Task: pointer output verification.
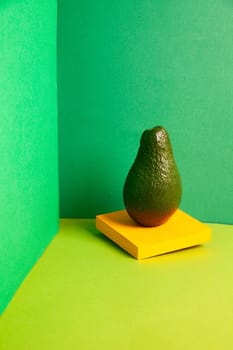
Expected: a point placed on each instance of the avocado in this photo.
(152, 189)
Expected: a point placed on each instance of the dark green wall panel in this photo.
(28, 138)
(124, 66)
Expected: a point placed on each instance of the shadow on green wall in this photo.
(88, 116)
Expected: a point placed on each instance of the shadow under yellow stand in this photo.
(179, 232)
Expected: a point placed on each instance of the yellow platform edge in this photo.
(180, 232)
(116, 237)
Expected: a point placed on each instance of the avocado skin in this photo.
(152, 189)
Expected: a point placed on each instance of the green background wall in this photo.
(124, 66)
(28, 137)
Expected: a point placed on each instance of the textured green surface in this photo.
(125, 66)
(152, 190)
(86, 293)
(28, 138)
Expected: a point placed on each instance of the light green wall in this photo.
(124, 66)
(28, 137)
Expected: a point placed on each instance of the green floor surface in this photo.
(86, 293)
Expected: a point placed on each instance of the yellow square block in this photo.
(179, 232)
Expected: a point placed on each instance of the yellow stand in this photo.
(179, 232)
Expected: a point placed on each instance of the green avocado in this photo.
(152, 189)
